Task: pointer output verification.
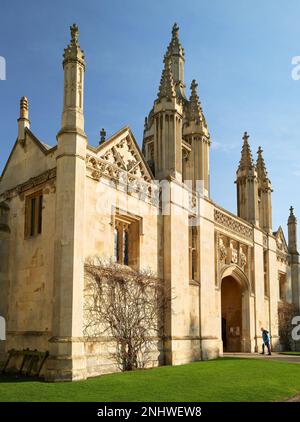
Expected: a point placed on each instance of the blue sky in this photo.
(240, 53)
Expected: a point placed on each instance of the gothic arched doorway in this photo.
(235, 308)
(231, 305)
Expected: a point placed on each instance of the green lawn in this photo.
(217, 380)
(290, 353)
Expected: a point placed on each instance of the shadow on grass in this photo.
(13, 378)
(17, 378)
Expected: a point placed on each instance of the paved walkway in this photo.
(274, 356)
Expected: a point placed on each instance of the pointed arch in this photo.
(235, 273)
(238, 274)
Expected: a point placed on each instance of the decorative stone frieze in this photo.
(234, 253)
(121, 176)
(232, 224)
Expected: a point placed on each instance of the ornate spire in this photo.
(167, 86)
(73, 50)
(246, 161)
(195, 109)
(260, 165)
(175, 46)
(176, 53)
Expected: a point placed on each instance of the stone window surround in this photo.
(282, 285)
(133, 226)
(33, 216)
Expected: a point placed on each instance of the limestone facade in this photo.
(61, 205)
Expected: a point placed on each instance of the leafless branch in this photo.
(286, 312)
(128, 305)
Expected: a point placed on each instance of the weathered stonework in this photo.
(233, 225)
(62, 205)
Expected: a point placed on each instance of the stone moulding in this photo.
(98, 168)
(283, 257)
(239, 275)
(28, 333)
(233, 225)
(66, 339)
(31, 183)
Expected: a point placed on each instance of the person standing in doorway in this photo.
(266, 341)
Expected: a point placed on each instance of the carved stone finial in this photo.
(23, 120)
(175, 30)
(246, 161)
(246, 137)
(261, 166)
(74, 33)
(291, 211)
(73, 51)
(175, 47)
(102, 136)
(194, 86)
(195, 110)
(24, 108)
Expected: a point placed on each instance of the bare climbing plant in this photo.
(126, 305)
(286, 312)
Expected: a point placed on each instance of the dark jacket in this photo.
(265, 336)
